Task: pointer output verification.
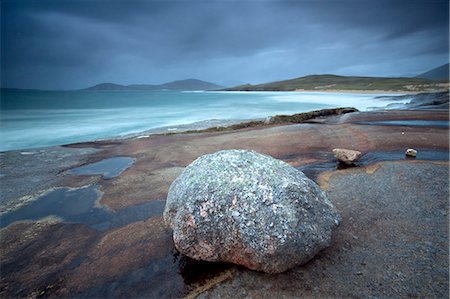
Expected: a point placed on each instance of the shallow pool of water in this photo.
(78, 205)
(313, 170)
(109, 168)
(66, 203)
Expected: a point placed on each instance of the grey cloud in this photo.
(72, 44)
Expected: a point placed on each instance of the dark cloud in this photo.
(73, 44)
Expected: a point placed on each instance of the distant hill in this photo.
(439, 73)
(188, 84)
(334, 82)
(107, 86)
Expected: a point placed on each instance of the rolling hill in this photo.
(439, 73)
(188, 84)
(334, 82)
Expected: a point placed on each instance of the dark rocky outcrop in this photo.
(278, 120)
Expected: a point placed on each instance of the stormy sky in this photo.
(66, 44)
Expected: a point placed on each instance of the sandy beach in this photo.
(392, 241)
(443, 86)
(357, 91)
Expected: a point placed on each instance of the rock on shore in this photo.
(250, 209)
(346, 156)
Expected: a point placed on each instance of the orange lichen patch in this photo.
(324, 179)
(372, 168)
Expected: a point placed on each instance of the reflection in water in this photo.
(108, 168)
(172, 276)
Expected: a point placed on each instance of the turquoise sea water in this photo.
(33, 119)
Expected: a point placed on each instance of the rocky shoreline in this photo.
(392, 241)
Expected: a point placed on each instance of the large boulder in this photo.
(246, 208)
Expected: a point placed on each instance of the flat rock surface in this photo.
(393, 240)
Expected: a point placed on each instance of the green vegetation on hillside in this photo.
(333, 82)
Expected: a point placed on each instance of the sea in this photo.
(34, 119)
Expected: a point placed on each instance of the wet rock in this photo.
(346, 156)
(411, 152)
(250, 209)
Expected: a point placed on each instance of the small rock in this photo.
(411, 152)
(249, 209)
(346, 156)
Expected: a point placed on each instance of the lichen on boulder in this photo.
(250, 209)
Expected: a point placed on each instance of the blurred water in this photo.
(31, 119)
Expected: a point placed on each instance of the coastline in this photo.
(144, 114)
(218, 125)
(126, 127)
